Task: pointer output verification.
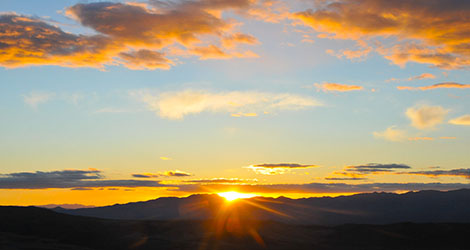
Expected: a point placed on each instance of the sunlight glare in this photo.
(232, 195)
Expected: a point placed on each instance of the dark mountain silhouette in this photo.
(40, 228)
(367, 208)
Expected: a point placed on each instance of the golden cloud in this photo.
(327, 86)
(137, 36)
(462, 120)
(431, 32)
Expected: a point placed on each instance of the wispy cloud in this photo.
(33, 99)
(376, 168)
(447, 85)
(391, 134)
(462, 172)
(422, 138)
(176, 105)
(171, 173)
(278, 168)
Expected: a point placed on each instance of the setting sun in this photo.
(232, 195)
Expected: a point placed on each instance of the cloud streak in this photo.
(461, 120)
(177, 105)
(171, 173)
(72, 179)
(444, 85)
(278, 168)
(336, 87)
(462, 172)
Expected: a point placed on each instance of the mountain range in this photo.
(366, 208)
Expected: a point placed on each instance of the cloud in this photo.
(327, 87)
(447, 85)
(426, 117)
(345, 178)
(422, 76)
(238, 38)
(421, 138)
(391, 134)
(74, 179)
(462, 172)
(322, 187)
(221, 180)
(165, 158)
(402, 31)
(244, 114)
(375, 167)
(176, 105)
(33, 99)
(462, 120)
(448, 137)
(276, 169)
(145, 59)
(137, 36)
(172, 173)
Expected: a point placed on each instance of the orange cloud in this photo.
(326, 87)
(422, 76)
(430, 32)
(448, 137)
(420, 139)
(137, 36)
(447, 85)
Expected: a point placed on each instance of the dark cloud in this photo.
(75, 179)
(171, 173)
(375, 167)
(462, 172)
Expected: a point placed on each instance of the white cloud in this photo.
(426, 117)
(391, 134)
(33, 99)
(177, 104)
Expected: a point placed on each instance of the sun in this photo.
(232, 195)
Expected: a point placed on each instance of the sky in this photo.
(120, 101)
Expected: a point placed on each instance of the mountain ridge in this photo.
(367, 208)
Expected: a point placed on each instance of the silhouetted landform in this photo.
(367, 208)
(66, 206)
(39, 228)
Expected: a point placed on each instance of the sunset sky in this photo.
(107, 102)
